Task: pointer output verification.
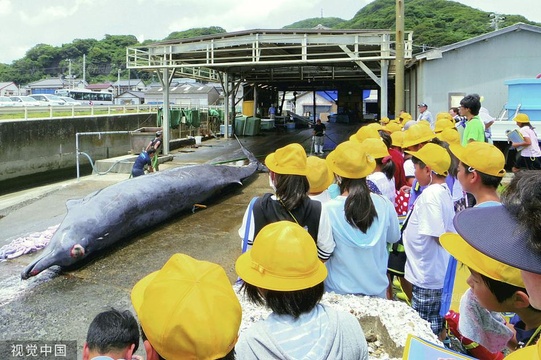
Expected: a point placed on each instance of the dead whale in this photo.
(123, 209)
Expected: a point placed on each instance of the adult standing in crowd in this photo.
(363, 223)
(529, 157)
(426, 115)
(272, 112)
(319, 137)
(475, 128)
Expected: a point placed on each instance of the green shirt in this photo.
(475, 129)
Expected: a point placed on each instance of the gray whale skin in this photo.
(104, 217)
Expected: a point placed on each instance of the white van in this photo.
(48, 100)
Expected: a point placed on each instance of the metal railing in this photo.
(49, 112)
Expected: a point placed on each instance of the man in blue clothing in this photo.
(144, 158)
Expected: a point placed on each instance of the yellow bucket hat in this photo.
(392, 127)
(319, 175)
(365, 132)
(450, 136)
(397, 138)
(376, 148)
(435, 157)
(188, 309)
(283, 258)
(443, 124)
(444, 115)
(479, 262)
(351, 160)
(481, 156)
(288, 160)
(405, 117)
(522, 118)
(417, 134)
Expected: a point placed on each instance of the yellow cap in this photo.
(384, 120)
(376, 148)
(365, 132)
(283, 258)
(522, 118)
(479, 262)
(288, 160)
(532, 352)
(392, 127)
(319, 175)
(444, 115)
(377, 126)
(405, 117)
(450, 136)
(398, 138)
(351, 160)
(417, 134)
(442, 124)
(481, 156)
(435, 157)
(188, 309)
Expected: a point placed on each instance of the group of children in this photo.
(328, 225)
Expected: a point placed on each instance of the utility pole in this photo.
(84, 68)
(399, 60)
(118, 83)
(69, 75)
(495, 20)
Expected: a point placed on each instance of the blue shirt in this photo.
(358, 264)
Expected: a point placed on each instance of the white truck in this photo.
(524, 95)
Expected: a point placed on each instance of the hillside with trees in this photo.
(434, 23)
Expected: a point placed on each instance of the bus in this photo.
(87, 97)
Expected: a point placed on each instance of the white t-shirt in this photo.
(532, 150)
(409, 168)
(384, 185)
(432, 215)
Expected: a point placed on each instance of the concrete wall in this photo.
(33, 146)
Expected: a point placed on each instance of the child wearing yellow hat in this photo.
(530, 155)
(494, 287)
(282, 271)
(187, 310)
(363, 223)
(432, 215)
(320, 178)
(288, 178)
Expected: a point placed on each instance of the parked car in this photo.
(5, 101)
(48, 99)
(24, 101)
(70, 102)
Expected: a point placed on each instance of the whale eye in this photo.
(77, 251)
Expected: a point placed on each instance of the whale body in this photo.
(126, 208)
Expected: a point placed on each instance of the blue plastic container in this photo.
(525, 93)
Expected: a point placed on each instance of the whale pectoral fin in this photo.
(198, 206)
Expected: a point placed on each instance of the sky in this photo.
(26, 23)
